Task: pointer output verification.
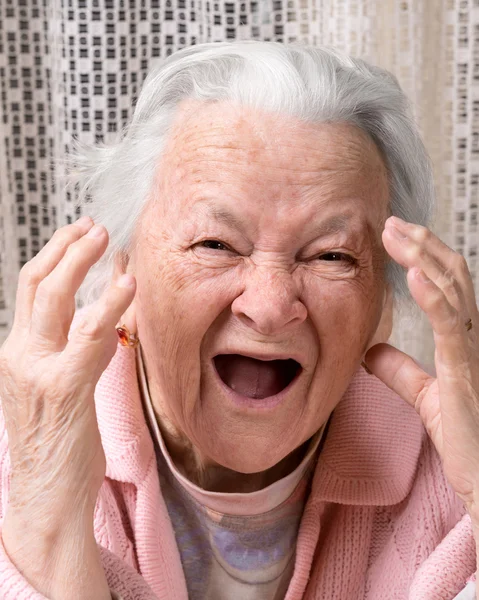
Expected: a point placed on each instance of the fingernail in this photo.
(366, 368)
(95, 231)
(396, 233)
(396, 221)
(422, 276)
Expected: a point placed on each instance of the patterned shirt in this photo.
(233, 546)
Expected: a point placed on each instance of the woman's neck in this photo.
(215, 477)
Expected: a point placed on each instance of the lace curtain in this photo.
(74, 68)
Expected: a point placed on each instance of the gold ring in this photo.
(468, 324)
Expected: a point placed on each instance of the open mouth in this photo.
(256, 378)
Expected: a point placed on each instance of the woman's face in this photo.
(260, 275)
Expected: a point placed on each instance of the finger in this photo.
(54, 303)
(93, 342)
(410, 254)
(41, 265)
(415, 246)
(450, 335)
(399, 372)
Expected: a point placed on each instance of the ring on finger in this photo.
(468, 324)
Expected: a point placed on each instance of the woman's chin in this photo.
(245, 454)
(245, 439)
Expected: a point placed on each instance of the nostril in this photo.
(246, 320)
(299, 312)
(269, 310)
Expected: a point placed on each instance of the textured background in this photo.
(74, 68)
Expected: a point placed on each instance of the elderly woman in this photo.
(252, 227)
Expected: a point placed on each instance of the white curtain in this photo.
(74, 68)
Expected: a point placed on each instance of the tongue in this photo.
(250, 377)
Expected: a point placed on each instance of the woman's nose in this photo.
(270, 303)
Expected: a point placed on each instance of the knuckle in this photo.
(460, 264)
(415, 253)
(452, 288)
(29, 274)
(448, 284)
(435, 302)
(25, 271)
(48, 297)
(454, 320)
(444, 312)
(80, 250)
(62, 238)
(422, 235)
(71, 252)
(76, 250)
(44, 291)
(90, 328)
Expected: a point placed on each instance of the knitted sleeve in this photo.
(117, 555)
(447, 548)
(124, 582)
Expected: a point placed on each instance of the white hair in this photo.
(313, 84)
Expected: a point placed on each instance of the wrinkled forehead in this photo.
(202, 126)
(252, 151)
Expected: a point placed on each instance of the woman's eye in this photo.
(336, 257)
(213, 245)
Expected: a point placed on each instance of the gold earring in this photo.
(125, 338)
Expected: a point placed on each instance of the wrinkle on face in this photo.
(278, 193)
(235, 142)
(295, 178)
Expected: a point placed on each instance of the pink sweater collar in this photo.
(369, 456)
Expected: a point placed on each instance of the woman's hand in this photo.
(46, 388)
(448, 405)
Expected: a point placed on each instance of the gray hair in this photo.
(314, 84)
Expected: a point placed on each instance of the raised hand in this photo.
(448, 404)
(46, 389)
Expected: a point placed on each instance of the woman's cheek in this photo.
(210, 288)
(187, 298)
(182, 271)
(346, 309)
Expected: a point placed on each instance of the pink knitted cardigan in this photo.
(381, 521)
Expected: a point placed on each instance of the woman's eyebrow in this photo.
(349, 223)
(226, 217)
(223, 215)
(334, 224)
(331, 225)
(344, 223)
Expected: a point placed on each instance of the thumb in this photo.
(398, 371)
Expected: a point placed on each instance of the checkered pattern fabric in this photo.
(73, 68)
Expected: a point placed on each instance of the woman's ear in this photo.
(385, 327)
(121, 265)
